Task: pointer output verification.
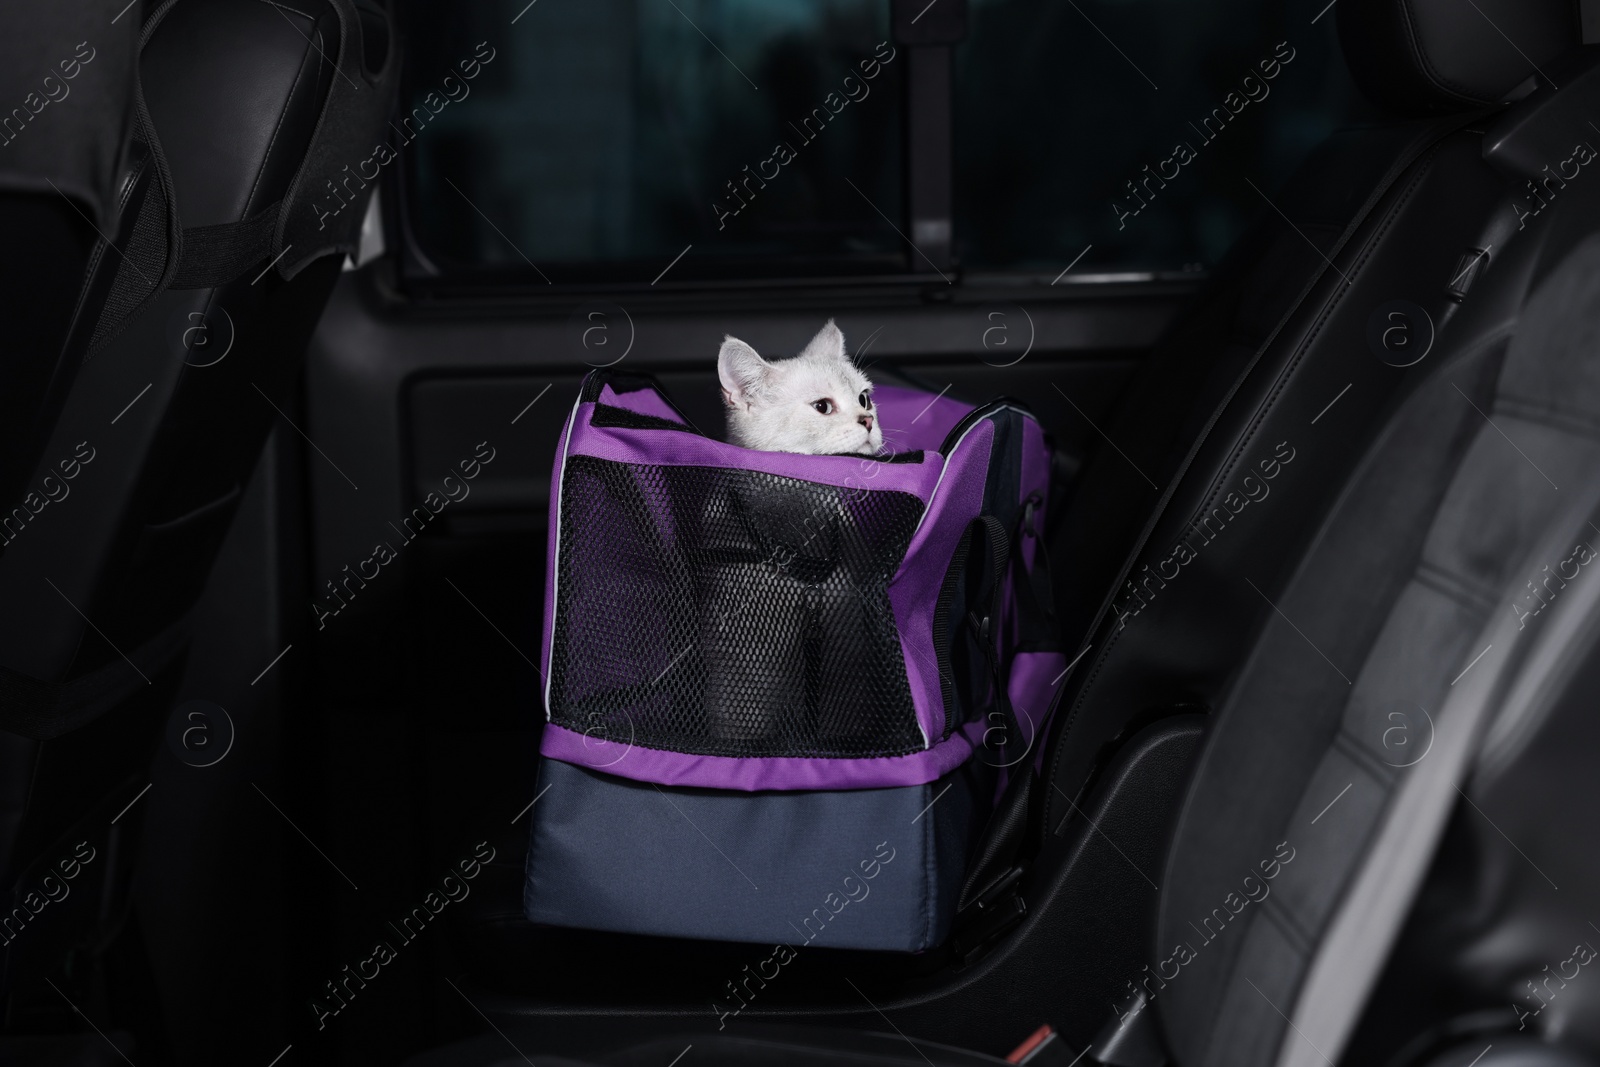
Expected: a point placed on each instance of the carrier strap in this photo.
(987, 628)
(997, 865)
(1034, 589)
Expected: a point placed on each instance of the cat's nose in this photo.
(865, 420)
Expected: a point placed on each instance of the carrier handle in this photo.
(1035, 610)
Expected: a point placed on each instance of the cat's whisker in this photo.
(868, 343)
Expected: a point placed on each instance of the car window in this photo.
(602, 139)
(1140, 135)
(616, 140)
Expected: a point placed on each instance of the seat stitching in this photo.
(1291, 933)
(1269, 404)
(1355, 750)
(1429, 71)
(1461, 588)
(1286, 922)
(1543, 413)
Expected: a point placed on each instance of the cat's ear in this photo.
(827, 345)
(742, 371)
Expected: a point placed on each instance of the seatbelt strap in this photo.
(40, 710)
(148, 261)
(216, 255)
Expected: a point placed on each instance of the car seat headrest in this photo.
(313, 223)
(59, 51)
(309, 222)
(1419, 57)
(1549, 136)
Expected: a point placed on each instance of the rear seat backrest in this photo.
(1263, 279)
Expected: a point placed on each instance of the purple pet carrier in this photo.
(784, 693)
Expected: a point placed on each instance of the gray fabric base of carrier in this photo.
(859, 869)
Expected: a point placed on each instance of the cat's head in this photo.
(816, 402)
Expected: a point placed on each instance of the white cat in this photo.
(816, 403)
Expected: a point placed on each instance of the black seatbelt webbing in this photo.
(40, 710)
(216, 255)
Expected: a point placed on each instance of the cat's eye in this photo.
(865, 400)
(824, 407)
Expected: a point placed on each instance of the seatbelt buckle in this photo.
(1130, 1038)
(990, 917)
(1043, 1048)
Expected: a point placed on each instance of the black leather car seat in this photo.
(60, 164)
(1414, 596)
(1220, 561)
(1259, 400)
(59, 170)
(186, 348)
(1176, 617)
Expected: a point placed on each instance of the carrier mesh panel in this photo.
(730, 613)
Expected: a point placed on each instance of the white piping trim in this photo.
(953, 449)
(555, 554)
(927, 742)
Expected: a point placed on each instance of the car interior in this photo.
(1289, 313)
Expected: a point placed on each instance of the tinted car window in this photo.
(601, 139)
(1136, 127)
